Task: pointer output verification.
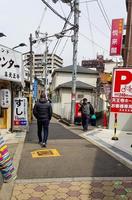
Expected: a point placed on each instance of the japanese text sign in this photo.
(10, 64)
(116, 37)
(20, 111)
(5, 98)
(122, 90)
(35, 88)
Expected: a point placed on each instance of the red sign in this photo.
(116, 37)
(122, 90)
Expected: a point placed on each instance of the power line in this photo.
(42, 17)
(95, 26)
(90, 27)
(88, 1)
(53, 10)
(105, 17)
(63, 29)
(62, 8)
(65, 44)
(105, 12)
(93, 42)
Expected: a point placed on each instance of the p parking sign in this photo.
(121, 100)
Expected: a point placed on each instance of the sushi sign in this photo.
(122, 90)
(20, 112)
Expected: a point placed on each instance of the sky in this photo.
(20, 18)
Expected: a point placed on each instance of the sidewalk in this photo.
(15, 143)
(120, 149)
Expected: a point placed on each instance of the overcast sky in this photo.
(19, 18)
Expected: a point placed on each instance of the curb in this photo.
(115, 155)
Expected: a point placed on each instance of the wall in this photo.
(62, 107)
(60, 78)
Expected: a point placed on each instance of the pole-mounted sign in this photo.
(122, 90)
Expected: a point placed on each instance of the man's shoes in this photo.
(43, 145)
(40, 143)
(85, 130)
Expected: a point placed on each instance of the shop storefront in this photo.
(11, 80)
(5, 113)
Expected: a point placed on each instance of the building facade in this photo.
(62, 87)
(40, 67)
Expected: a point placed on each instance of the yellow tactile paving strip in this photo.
(74, 190)
(45, 153)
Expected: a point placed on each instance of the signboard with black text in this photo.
(11, 65)
(20, 111)
(5, 98)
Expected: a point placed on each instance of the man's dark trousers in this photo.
(85, 120)
(43, 136)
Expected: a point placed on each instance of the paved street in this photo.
(82, 172)
(79, 158)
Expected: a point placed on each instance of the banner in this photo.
(116, 37)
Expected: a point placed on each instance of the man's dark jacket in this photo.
(42, 110)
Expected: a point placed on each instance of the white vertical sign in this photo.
(20, 112)
(5, 98)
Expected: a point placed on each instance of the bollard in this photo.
(105, 120)
(115, 127)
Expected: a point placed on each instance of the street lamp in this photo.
(2, 35)
(20, 45)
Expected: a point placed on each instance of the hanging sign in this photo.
(116, 37)
(20, 112)
(122, 90)
(5, 98)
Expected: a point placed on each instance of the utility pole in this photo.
(31, 84)
(128, 42)
(46, 71)
(75, 48)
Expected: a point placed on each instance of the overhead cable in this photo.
(63, 31)
(43, 15)
(65, 44)
(53, 10)
(105, 12)
(105, 18)
(90, 27)
(93, 42)
(96, 27)
(87, 1)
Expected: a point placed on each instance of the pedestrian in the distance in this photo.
(85, 113)
(43, 113)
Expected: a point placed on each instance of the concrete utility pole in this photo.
(128, 42)
(75, 48)
(31, 84)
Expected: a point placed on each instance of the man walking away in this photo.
(43, 113)
(85, 111)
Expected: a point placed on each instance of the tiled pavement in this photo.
(74, 190)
